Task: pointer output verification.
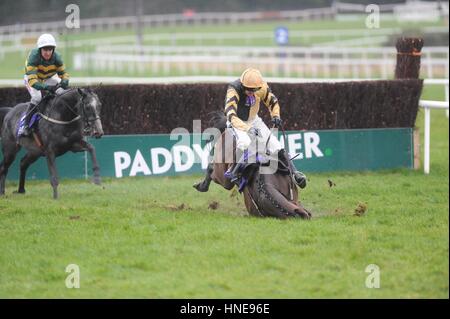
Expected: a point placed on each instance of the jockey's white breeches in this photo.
(243, 140)
(36, 95)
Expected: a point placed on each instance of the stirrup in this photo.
(26, 131)
(234, 179)
(228, 174)
(233, 172)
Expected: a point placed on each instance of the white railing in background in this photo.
(126, 22)
(427, 105)
(338, 37)
(343, 7)
(292, 61)
(225, 50)
(17, 32)
(117, 23)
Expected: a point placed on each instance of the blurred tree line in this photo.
(25, 11)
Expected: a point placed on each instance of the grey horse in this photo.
(64, 120)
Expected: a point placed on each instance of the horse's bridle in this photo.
(87, 121)
(286, 166)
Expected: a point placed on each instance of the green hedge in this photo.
(157, 108)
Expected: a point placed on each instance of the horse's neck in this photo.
(63, 107)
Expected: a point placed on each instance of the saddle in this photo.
(34, 121)
(248, 170)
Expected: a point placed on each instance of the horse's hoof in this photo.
(20, 191)
(303, 214)
(200, 187)
(300, 179)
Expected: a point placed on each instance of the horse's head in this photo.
(90, 112)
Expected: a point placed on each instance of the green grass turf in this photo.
(158, 238)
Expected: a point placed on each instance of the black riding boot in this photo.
(29, 114)
(299, 177)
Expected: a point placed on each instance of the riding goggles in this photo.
(251, 89)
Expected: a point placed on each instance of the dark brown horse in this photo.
(265, 195)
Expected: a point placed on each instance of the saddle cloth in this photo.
(33, 122)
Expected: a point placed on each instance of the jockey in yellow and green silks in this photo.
(44, 69)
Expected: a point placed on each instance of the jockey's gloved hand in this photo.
(64, 84)
(276, 121)
(51, 88)
(59, 91)
(254, 132)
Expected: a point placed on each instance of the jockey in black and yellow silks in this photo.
(241, 109)
(44, 69)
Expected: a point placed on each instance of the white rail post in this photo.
(426, 105)
(446, 98)
(426, 161)
(446, 85)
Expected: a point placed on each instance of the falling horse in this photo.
(64, 120)
(265, 195)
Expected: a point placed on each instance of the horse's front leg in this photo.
(203, 186)
(9, 154)
(85, 146)
(51, 163)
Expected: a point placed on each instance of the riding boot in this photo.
(233, 172)
(29, 114)
(299, 177)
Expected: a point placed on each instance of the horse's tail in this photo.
(3, 112)
(218, 120)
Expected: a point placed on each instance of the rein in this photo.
(291, 184)
(52, 120)
(77, 116)
(254, 203)
(45, 117)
